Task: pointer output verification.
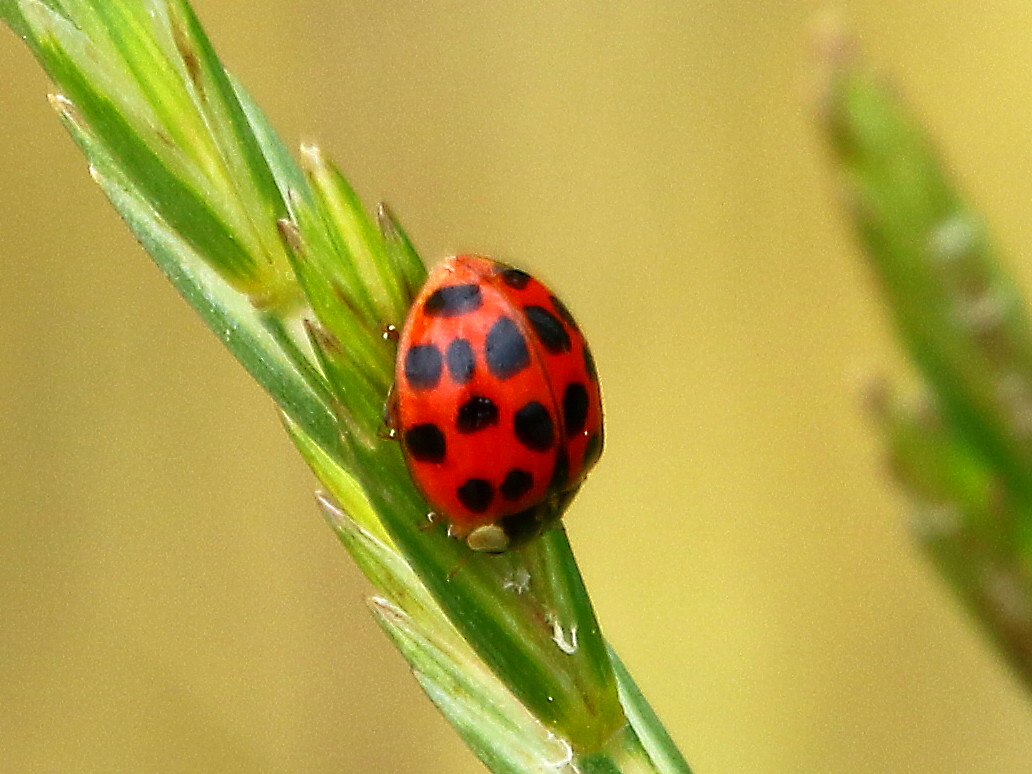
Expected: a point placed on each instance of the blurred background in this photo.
(170, 598)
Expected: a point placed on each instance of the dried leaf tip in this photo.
(64, 107)
(291, 235)
(312, 157)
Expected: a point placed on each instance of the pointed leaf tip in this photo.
(331, 510)
(291, 235)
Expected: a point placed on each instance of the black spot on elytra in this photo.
(426, 443)
(453, 300)
(563, 312)
(476, 494)
(589, 364)
(516, 484)
(515, 278)
(592, 451)
(460, 360)
(534, 427)
(560, 472)
(423, 366)
(575, 408)
(475, 414)
(549, 329)
(506, 349)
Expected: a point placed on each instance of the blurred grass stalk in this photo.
(287, 268)
(962, 445)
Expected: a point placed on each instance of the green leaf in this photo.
(179, 203)
(11, 15)
(401, 253)
(505, 609)
(246, 169)
(362, 260)
(664, 754)
(286, 173)
(496, 727)
(964, 449)
(225, 310)
(123, 31)
(959, 314)
(973, 527)
(508, 646)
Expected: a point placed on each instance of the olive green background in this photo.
(170, 599)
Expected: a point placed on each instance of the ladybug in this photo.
(496, 402)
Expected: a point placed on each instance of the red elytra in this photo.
(496, 402)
